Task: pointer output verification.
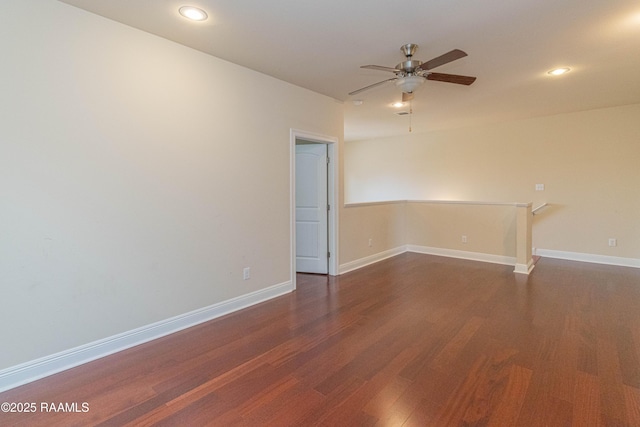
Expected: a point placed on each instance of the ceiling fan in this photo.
(410, 74)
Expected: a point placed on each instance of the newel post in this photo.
(524, 240)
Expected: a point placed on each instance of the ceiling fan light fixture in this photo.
(409, 83)
(397, 104)
(193, 13)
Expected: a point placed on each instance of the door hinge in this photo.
(328, 207)
(328, 159)
(328, 254)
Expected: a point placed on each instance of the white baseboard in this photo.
(453, 253)
(49, 365)
(596, 259)
(371, 259)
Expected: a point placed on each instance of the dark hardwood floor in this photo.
(414, 340)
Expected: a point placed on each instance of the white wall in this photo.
(137, 177)
(587, 160)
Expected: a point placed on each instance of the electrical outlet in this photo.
(464, 238)
(539, 187)
(246, 273)
(370, 242)
(613, 242)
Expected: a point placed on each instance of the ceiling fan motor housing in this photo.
(409, 66)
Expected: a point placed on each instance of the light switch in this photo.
(539, 187)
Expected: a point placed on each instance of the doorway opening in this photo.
(314, 203)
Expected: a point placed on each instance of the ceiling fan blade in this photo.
(406, 96)
(380, 67)
(355, 92)
(443, 59)
(451, 78)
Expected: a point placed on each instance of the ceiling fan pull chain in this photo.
(410, 114)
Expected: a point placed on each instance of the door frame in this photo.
(332, 195)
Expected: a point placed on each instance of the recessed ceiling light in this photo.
(559, 71)
(358, 102)
(193, 13)
(397, 104)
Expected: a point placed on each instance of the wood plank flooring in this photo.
(415, 340)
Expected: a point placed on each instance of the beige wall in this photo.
(489, 229)
(137, 178)
(384, 224)
(429, 226)
(588, 162)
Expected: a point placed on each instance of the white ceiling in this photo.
(320, 45)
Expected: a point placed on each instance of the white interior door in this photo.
(312, 253)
